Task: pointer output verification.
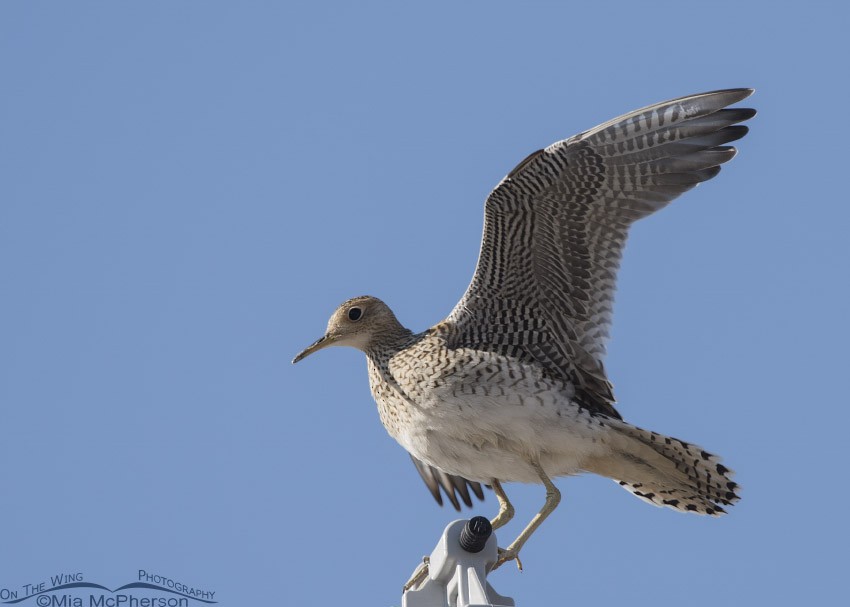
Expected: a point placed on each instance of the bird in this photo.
(511, 386)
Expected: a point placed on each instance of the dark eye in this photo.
(354, 314)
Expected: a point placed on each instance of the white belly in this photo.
(492, 421)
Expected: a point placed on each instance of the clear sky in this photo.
(189, 189)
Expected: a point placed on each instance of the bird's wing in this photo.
(555, 229)
(452, 485)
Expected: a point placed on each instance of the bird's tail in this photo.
(666, 471)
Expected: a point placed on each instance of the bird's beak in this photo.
(323, 342)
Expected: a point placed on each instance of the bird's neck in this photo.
(389, 342)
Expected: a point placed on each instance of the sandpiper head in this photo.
(357, 322)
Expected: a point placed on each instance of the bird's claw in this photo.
(419, 574)
(506, 555)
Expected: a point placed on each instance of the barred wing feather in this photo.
(555, 229)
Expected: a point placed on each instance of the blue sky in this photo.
(189, 190)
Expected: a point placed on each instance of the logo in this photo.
(74, 590)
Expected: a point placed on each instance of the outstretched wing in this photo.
(555, 229)
(436, 479)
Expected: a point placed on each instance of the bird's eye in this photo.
(354, 314)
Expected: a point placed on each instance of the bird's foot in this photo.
(418, 576)
(506, 555)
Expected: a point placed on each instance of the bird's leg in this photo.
(553, 498)
(506, 513)
(506, 509)
(419, 574)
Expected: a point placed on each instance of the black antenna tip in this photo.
(475, 534)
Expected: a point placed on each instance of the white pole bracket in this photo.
(457, 569)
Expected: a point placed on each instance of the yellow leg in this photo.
(553, 498)
(418, 576)
(506, 513)
(506, 509)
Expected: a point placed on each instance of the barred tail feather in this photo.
(666, 471)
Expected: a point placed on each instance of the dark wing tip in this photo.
(731, 96)
(448, 486)
(427, 474)
(477, 490)
(453, 486)
(735, 132)
(744, 113)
